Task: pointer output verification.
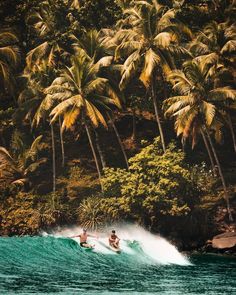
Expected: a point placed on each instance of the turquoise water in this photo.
(50, 265)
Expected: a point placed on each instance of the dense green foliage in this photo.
(71, 71)
(156, 184)
(27, 213)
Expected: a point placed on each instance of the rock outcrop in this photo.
(224, 241)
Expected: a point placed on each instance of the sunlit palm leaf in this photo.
(70, 117)
(152, 60)
(129, 68)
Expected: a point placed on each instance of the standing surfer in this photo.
(83, 239)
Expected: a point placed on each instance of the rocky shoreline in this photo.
(223, 244)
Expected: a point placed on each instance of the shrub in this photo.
(28, 214)
(157, 184)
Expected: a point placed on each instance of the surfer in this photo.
(83, 239)
(114, 240)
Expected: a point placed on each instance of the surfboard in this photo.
(117, 250)
(87, 248)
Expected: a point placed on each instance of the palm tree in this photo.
(50, 22)
(80, 92)
(195, 110)
(216, 45)
(34, 106)
(9, 172)
(62, 143)
(95, 44)
(97, 50)
(111, 119)
(9, 60)
(100, 49)
(16, 167)
(149, 37)
(90, 213)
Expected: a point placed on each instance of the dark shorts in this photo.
(83, 244)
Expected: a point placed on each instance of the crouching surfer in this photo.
(83, 239)
(114, 240)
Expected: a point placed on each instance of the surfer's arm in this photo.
(78, 236)
(93, 236)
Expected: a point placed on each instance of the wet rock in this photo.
(224, 241)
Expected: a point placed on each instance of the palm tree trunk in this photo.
(93, 150)
(99, 149)
(209, 152)
(119, 140)
(62, 143)
(31, 125)
(158, 117)
(2, 139)
(232, 132)
(53, 159)
(221, 175)
(134, 133)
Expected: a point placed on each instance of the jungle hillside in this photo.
(118, 110)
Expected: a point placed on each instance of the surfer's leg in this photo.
(85, 245)
(114, 245)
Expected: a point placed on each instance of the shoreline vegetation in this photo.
(119, 110)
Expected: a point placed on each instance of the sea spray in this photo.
(135, 240)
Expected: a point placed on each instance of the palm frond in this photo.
(152, 60)
(4, 152)
(20, 182)
(11, 54)
(44, 108)
(163, 39)
(105, 61)
(209, 111)
(35, 146)
(7, 38)
(180, 82)
(114, 96)
(97, 84)
(5, 73)
(70, 117)
(95, 115)
(74, 101)
(176, 103)
(229, 47)
(223, 93)
(208, 59)
(129, 68)
(36, 54)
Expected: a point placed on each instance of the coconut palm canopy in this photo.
(216, 44)
(49, 22)
(9, 59)
(197, 100)
(81, 92)
(149, 34)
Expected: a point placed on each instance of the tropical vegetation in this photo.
(109, 109)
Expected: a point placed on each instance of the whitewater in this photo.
(54, 263)
(134, 241)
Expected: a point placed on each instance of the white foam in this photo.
(158, 249)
